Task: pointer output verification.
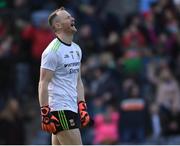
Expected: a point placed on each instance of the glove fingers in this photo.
(52, 127)
(49, 128)
(49, 121)
(83, 116)
(85, 120)
(82, 106)
(45, 128)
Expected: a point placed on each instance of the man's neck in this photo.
(65, 38)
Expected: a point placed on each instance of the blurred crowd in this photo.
(130, 69)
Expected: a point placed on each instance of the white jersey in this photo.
(64, 60)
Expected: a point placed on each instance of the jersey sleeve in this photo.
(49, 61)
(79, 50)
(80, 53)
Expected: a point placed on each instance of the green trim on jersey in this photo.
(56, 46)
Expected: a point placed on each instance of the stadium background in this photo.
(130, 69)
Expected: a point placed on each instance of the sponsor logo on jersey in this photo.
(66, 56)
(71, 52)
(78, 54)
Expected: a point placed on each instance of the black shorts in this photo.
(67, 119)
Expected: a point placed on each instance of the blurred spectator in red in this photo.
(150, 29)
(40, 37)
(106, 127)
(3, 28)
(131, 36)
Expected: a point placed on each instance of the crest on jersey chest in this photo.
(72, 55)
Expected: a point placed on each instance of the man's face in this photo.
(66, 22)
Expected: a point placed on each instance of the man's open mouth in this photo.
(73, 24)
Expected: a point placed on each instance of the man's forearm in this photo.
(80, 91)
(43, 93)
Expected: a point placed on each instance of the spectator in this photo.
(106, 127)
(133, 110)
(168, 99)
(12, 124)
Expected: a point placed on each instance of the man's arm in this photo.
(85, 119)
(80, 88)
(49, 122)
(45, 77)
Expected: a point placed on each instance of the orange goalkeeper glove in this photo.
(84, 116)
(49, 122)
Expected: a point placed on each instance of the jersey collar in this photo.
(63, 42)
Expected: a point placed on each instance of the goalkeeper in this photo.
(61, 91)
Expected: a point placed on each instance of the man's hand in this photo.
(85, 118)
(49, 122)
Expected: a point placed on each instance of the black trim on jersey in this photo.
(63, 42)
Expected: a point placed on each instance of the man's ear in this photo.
(58, 25)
